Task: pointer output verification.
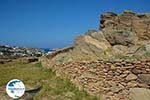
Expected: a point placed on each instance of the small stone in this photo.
(143, 71)
(104, 70)
(116, 89)
(143, 85)
(110, 73)
(126, 72)
(112, 83)
(113, 67)
(119, 71)
(136, 71)
(132, 84)
(105, 97)
(148, 70)
(106, 89)
(123, 83)
(131, 77)
(121, 86)
(123, 75)
(110, 93)
(116, 74)
(126, 92)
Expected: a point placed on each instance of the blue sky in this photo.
(55, 23)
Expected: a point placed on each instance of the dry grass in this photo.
(53, 88)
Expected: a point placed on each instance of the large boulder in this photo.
(91, 46)
(120, 37)
(139, 94)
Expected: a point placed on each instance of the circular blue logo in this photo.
(15, 88)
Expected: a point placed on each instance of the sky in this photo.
(56, 23)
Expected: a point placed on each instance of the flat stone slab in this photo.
(139, 94)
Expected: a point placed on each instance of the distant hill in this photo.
(13, 52)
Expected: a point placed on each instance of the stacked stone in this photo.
(112, 79)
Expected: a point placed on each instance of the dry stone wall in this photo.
(109, 80)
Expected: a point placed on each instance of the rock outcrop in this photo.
(129, 26)
(121, 36)
(112, 63)
(86, 47)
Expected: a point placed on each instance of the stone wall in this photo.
(109, 80)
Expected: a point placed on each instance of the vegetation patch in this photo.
(53, 87)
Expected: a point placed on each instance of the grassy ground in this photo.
(53, 88)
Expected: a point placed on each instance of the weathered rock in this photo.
(132, 84)
(121, 36)
(119, 49)
(116, 88)
(147, 47)
(143, 85)
(136, 71)
(91, 46)
(123, 75)
(126, 72)
(133, 49)
(112, 83)
(145, 78)
(139, 94)
(131, 77)
(138, 24)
